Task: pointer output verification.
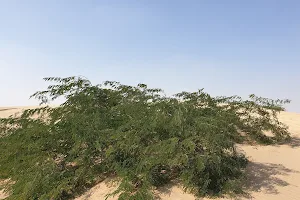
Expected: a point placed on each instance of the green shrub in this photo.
(138, 134)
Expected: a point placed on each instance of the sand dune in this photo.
(8, 111)
(273, 173)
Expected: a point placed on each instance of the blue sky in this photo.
(227, 47)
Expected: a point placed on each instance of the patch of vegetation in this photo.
(138, 134)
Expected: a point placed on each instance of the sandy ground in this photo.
(273, 173)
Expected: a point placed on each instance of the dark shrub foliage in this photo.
(138, 134)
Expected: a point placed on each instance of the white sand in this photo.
(274, 171)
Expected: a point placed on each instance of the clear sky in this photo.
(227, 47)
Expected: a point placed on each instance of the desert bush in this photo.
(137, 134)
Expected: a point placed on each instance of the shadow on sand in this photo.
(261, 177)
(264, 177)
(294, 142)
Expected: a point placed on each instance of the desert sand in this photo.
(273, 172)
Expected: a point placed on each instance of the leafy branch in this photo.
(138, 134)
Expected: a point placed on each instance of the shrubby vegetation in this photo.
(137, 134)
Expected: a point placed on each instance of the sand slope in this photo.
(273, 173)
